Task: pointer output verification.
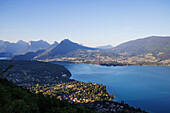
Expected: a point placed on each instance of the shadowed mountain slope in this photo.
(63, 48)
(27, 56)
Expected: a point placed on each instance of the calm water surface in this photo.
(4, 58)
(147, 87)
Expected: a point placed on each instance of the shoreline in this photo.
(105, 64)
(98, 105)
(112, 63)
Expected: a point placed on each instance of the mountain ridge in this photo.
(105, 47)
(145, 45)
(22, 47)
(150, 49)
(64, 47)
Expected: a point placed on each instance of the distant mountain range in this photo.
(27, 56)
(66, 46)
(21, 47)
(105, 47)
(55, 50)
(152, 49)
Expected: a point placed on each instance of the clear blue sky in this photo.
(89, 22)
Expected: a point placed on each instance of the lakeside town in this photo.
(108, 58)
(75, 91)
(90, 95)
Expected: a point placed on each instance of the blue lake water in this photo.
(147, 87)
(4, 58)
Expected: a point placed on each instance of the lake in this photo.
(147, 87)
(4, 58)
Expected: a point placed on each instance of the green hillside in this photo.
(15, 99)
(27, 73)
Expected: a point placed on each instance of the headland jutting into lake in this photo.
(90, 95)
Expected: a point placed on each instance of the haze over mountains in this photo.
(66, 46)
(55, 50)
(21, 47)
(157, 46)
(105, 47)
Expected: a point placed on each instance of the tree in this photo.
(112, 96)
(5, 70)
(18, 106)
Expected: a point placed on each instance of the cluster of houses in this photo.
(90, 95)
(112, 107)
(133, 60)
(71, 99)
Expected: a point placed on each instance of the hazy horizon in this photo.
(88, 22)
(76, 42)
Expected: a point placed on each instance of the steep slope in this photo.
(52, 46)
(27, 56)
(63, 48)
(153, 44)
(15, 99)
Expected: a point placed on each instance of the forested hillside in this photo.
(27, 73)
(15, 99)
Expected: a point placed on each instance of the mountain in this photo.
(31, 55)
(35, 45)
(22, 47)
(66, 46)
(150, 49)
(11, 48)
(52, 46)
(5, 54)
(153, 50)
(152, 44)
(105, 47)
(27, 56)
(21, 42)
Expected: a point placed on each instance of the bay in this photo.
(147, 87)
